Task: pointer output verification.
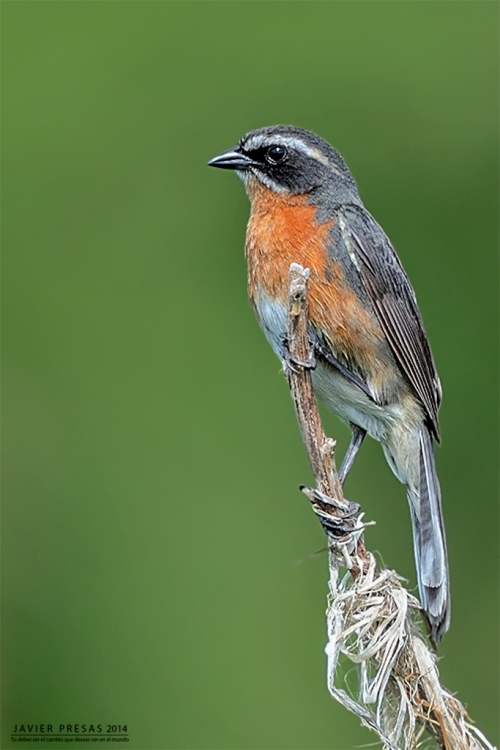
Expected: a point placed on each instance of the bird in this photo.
(373, 363)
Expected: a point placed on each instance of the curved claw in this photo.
(292, 363)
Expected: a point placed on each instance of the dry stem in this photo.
(372, 619)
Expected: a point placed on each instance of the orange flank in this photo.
(282, 230)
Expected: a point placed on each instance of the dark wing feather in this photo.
(395, 305)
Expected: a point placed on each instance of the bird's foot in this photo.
(293, 363)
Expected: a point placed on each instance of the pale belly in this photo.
(339, 394)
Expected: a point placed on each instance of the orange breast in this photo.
(283, 229)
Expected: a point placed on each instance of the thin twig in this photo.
(371, 618)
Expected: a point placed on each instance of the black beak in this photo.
(231, 159)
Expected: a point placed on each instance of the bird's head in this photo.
(289, 160)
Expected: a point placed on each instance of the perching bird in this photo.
(374, 366)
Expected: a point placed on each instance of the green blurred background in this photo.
(151, 518)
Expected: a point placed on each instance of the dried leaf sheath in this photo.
(371, 618)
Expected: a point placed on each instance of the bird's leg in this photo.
(358, 435)
(292, 362)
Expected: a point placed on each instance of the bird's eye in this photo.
(276, 154)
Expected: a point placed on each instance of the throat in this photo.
(282, 229)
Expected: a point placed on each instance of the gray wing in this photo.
(394, 304)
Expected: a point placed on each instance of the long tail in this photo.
(429, 541)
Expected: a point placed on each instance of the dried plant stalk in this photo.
(371, 618)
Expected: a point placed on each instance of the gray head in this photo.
(290, 160)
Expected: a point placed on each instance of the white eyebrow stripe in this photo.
(257, 141)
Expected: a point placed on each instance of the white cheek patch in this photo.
(245, 175)
(268, 182)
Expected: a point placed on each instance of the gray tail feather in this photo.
(429, 540)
